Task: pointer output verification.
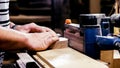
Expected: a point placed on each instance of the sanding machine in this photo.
(97, 32)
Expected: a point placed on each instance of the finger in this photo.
(53, 33)
(50, 34)
(35, 28)
(47, 29)
(47, 41)
(51, 40)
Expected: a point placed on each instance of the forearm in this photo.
(29, 36)
(10, 39)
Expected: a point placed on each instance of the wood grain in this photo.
(61, 43)
(68, 58)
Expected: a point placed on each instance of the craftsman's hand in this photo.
(32, 28)
(40, 41)
(37, 37)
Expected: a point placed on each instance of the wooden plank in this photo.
(41, 62)
(116, 63)
(116, 59)
(112, 57)
(107, 56)
(68, 58)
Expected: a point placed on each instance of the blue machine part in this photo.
(107, 42)
(90, 46)
(105, 26)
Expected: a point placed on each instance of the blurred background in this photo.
(52, 13)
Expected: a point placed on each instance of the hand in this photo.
(37, 37)
(32, 28)
(40, 41)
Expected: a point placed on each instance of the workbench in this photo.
(66, 58)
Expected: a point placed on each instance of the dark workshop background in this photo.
(52, 13)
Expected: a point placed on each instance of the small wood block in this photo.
(61, 43)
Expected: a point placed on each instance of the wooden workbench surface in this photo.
(67, 58)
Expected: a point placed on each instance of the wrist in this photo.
(13, 26)
(24, 41)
